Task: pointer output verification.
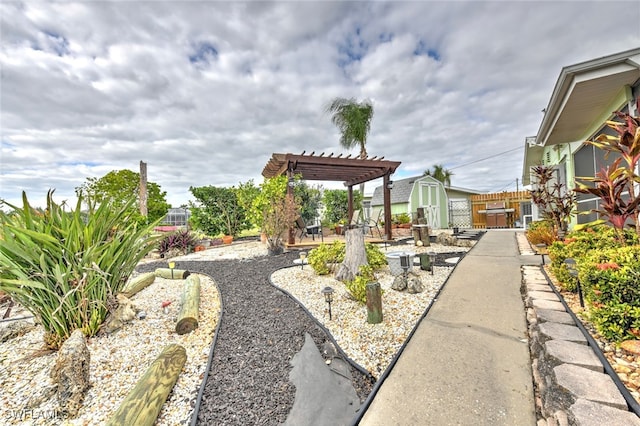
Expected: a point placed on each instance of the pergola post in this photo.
(292, 232)
(386, 191)
(349, 205)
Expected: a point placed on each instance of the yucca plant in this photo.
(66, 267)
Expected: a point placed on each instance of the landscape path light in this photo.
(572, 268)
(542, 247)
(405, 260)
(303, 256)
(172, 265)
(432, 260)
(328, 297)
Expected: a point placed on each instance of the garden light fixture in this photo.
(432, 260)
(390, 184)
(172, 265)
(328, 297)
(541, 247)
(405, 260)
(572, 269)
(303, 256)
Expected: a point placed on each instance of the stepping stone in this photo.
(324, 395)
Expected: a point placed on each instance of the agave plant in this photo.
(66, 267)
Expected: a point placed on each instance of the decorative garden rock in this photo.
(124, 313)
(415, 285)
(71, 373)
(399, 283)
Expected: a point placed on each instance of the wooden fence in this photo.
(511, 200)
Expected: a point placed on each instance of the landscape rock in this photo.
(399, 283)
(632, 346)
(124, 313)
(71, 373)
(415, 285)
(14, 329)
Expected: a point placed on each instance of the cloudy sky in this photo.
(205, 91)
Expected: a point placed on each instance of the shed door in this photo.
(430, 202)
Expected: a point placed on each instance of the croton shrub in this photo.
(609, 274)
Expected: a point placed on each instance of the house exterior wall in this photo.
(575, 158)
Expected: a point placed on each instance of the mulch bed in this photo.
(260, 332)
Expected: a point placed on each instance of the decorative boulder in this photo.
(124, 313)
(415, 285)
(71, 373)
(399, 283)
(446, 239)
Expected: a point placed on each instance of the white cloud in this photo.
(204, 92)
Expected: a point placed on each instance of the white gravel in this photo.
(119, 360)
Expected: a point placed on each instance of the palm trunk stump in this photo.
(188, 316)
(374, 303)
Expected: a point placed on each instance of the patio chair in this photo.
(306, 230)
(370, 224)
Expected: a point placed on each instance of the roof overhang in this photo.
(532, 157)
(583, 92)
(350, 171)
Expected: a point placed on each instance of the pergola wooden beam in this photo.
(350, 171)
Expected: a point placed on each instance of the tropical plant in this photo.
(357, 287)
(353, 119)
(541, 232)
(554, 201)
(616, 184)
(325, 257)
(182, 240)
(217, 211)
(121, 186)
(67, 267)
(440, 173)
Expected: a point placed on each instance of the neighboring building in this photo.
(443, 206)
(584, 98)
(177, 217)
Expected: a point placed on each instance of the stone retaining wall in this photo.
(571, 385)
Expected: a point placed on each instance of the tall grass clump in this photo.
(67, 267)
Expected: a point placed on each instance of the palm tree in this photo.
(440, 173)
(353, 119)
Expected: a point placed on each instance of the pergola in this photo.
(350, 171)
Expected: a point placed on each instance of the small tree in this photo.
(337, 205)
(119, 187)
(217, 211)
(552, 198)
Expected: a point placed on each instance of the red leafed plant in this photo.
(616, 184)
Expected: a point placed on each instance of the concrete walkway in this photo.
(468, 362)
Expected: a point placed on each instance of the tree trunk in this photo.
(188, 316)
(138, 283)
(143, 403)
(354, 257)
(177, 274)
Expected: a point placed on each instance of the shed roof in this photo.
(402, 188)
(351, 171)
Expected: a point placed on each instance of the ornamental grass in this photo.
(66, 267)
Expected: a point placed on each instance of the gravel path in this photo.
(260, 331)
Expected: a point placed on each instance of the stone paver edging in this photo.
(569, 377)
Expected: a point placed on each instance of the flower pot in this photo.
(338, 229)
(227, 239)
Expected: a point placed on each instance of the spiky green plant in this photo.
(66, 267)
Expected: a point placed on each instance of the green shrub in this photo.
(616, 322)
(357, 287)
(325, 256)
(66, 267)
(578, 244)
